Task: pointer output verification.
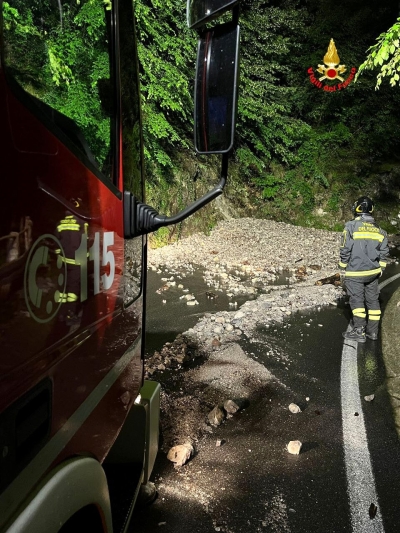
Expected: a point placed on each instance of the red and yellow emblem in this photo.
(331, 68)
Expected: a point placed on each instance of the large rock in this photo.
(391, 353)
(231, 407)
(294, 408)
(294, 447)
(216, 416)
(180, 454)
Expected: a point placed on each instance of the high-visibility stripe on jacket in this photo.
(364, 248)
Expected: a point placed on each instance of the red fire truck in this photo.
(78, 425)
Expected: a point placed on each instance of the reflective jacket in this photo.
(364, 248)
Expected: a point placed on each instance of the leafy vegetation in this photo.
(167, 58)
(385, 55)
(60, 59)
(299, 150)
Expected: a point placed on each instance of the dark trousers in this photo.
(364, 300)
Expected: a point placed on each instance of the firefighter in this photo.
(69, 231)
(363, 256)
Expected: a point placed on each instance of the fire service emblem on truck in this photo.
(331, 71)
(45, 278)
(53, 278)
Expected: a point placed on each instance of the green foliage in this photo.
(334, 140)
(386, 55)
(61, 60)
(297, 147)
(167, 54)
(267, 127)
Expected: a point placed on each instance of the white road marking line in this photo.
(360, 479)
(389, 280)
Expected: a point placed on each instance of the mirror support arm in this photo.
(140, 218)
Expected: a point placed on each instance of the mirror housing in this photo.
(216, 87)
(199, 12)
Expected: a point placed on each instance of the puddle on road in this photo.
(168, 314)
(166, 320)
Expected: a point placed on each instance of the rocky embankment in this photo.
(261, 249)
(243, 256)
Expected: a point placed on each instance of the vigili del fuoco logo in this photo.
(331, 71)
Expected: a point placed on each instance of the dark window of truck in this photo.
(59, 53)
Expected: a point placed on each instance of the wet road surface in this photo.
(251, 483)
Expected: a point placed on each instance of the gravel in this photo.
(205, 366)
(262, 249)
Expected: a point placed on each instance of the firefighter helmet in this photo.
(363, 205)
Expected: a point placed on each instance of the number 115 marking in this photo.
(83, 255)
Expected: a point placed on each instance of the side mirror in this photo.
(217, 74)
(216, 85)
(199, 12)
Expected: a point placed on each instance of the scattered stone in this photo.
(219, 442)
(147, 494)
(294, 447)
(307, 399)
(231, 407)
(162, 523)
(216, 416)
(180, 454)
(356, 414)
(372, 510)
(215, 343)
(294, 408)
(369, 398)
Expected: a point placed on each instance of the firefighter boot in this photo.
(372, 331)
(373, 324)
(356, 334)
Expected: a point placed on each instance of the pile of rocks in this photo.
(239, 256)
(174, 355)
(267, 310)
(256, 248)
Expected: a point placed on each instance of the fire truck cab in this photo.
(78, 425)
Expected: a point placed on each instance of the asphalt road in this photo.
(350, 457)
